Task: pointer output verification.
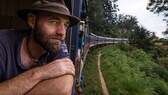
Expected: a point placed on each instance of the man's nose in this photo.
(61, 29)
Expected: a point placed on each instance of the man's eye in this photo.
(66, 25)
(53, 21)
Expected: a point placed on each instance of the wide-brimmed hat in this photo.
(58, 7)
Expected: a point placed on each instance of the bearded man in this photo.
(35, 61)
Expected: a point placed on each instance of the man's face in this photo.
(50, 30)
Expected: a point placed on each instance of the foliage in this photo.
(159, 6)
(92, 85)
(163, 61)
(126, 24)
(141, 38)
(109, 13)
(124, 47)
(104, 20)
(130, 71)
(156, 52)
(102, 15)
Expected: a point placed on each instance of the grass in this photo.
(92, 85)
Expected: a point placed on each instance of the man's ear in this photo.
(31, 19)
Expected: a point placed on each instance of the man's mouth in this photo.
(55, 39)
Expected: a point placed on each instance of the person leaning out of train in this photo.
(35, 61)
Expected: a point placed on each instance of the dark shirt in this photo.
(10, 59)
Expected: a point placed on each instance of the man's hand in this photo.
(58, 68)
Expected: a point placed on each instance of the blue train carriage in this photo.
(79, 42)
(100, 40)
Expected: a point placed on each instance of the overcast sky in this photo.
(149, 20)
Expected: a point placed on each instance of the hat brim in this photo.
(22, 13)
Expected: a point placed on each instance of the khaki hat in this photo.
(57, 7)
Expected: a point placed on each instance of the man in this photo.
(35, 62)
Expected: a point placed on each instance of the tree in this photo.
(109, 13)
(102, 15)
(159, 6)
(141, 38)
(110, 9)
(95, 16)
(127, 22)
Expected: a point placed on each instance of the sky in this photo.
(149, 20)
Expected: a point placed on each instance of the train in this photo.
(78, 38)
(98, 40)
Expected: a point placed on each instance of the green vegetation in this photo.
(127, 71)
(92, 85)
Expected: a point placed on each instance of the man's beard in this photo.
(44, 40)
